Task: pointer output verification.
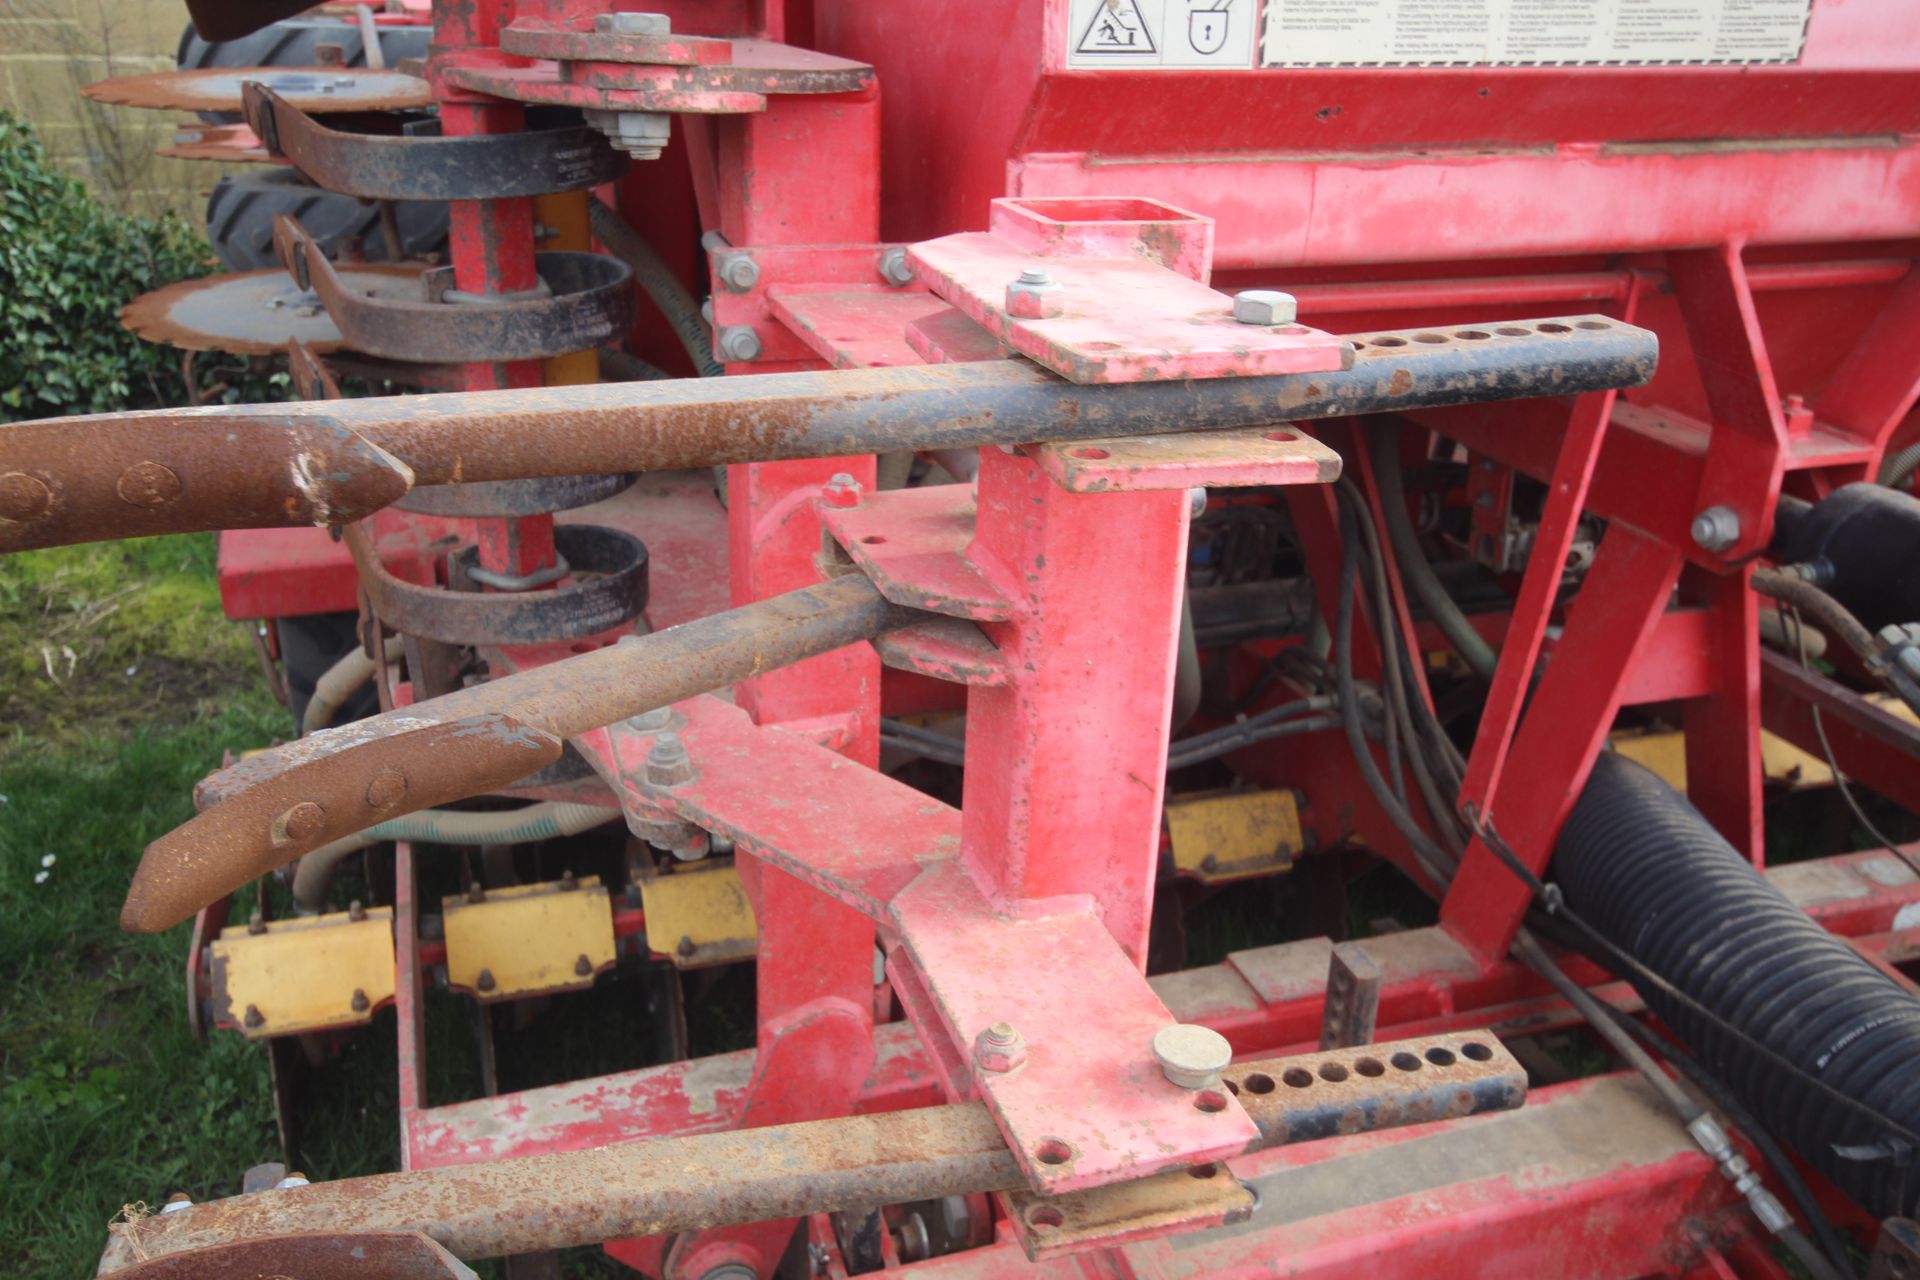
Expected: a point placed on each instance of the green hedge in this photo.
(67, 266)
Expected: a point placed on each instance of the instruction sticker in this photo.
(1161, 33)
(1531, 33)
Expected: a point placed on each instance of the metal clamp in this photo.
(520, 581)
(430, 167)
(591, 303)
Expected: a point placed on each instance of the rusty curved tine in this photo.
(260, 466)
(665, 1185)
(267, 810)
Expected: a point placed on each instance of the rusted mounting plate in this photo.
(759, 69)
(309, 88)
(1207, 1195)
(946, 649)
(529, 940)
(429, 166)
(256, 313)
(589, 301)
(1279, 454)
(913, 544)
(312, 973)
(577, 41)
(222, 143)
(1088, 1104)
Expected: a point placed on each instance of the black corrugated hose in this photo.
(1817, 1042)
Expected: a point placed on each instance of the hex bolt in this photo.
(1265, 306)
(583, 966)
(738, 342)
(894, 267)
(1191, 1056)
(360, 1003)
(842, 491)
(1036, 295)
(176, 1202)
(1716, 528)
(254, 1018)
(633, 24)
(567, 881)
(668, 764)
(485, 981)
(999, 1048)
(739, 272)
(476, 893)
(641, 134)
(686, 948)
(356, 911)
(256, 924)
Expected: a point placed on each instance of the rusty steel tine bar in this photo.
(268, 809)
(85, 479)
(667, 1185)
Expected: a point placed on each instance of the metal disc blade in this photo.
(225, 143)
(256, 313)
(312, 89)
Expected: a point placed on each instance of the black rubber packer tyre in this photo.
(241, 209)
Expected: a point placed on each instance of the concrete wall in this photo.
(50, 48)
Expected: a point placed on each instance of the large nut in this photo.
(633, 24)
(999, 1048)
(894, 267)
(1036, 295)
(1265, 306)
(738, 342)
(1716, 528)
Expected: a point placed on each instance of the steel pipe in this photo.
(84, 479)
(267, 810)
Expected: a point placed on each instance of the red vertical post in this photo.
(1065, 764)
(1724, 774)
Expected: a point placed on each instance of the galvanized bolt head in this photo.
(583, 966)
(841, 491)
(739, 272)
(253, 1017)
(291, 1181)
(485, 980)
(356, 911)
(999, 1048)
(634, 24)
(1716, 528)
(668, 764)
(360, 1003)
(1036, 295)
(176, 1202)
(738, 342)
(641, 134)
(1191, 1056)
(894, 267)
(256, 924)
(1265, 306)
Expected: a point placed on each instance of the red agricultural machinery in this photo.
(1133, 456)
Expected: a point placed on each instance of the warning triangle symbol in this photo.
(1118, 27)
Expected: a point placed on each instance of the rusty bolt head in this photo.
(302, 822)
(686, 948)
(176, 1202)
(739, 272)
(1036, 295)
(633, 24)
(894, 267)
(356, 911)
(1191, 1056)
(1265, 306)
(256, 924)
(476, 893)
(567, 881)
(387, 789)
(583, 966)
(485, 980)
(360, 1002)
(739, 343)
(148, 484)
(668, 764)
(999, 1048)
(842, 491)
(23, 497)
(253, 1018)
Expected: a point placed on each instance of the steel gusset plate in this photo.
(514, 497)
(310, 88)
(385, 167)
(610, 568)
(256, 313)
(589, 302)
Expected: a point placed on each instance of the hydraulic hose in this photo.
(548, 820)
(1384, 448)
(1815, 1041)
(339, 683)
(659, 283)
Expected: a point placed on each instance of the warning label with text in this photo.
(1441, 33)
(1161, 33)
